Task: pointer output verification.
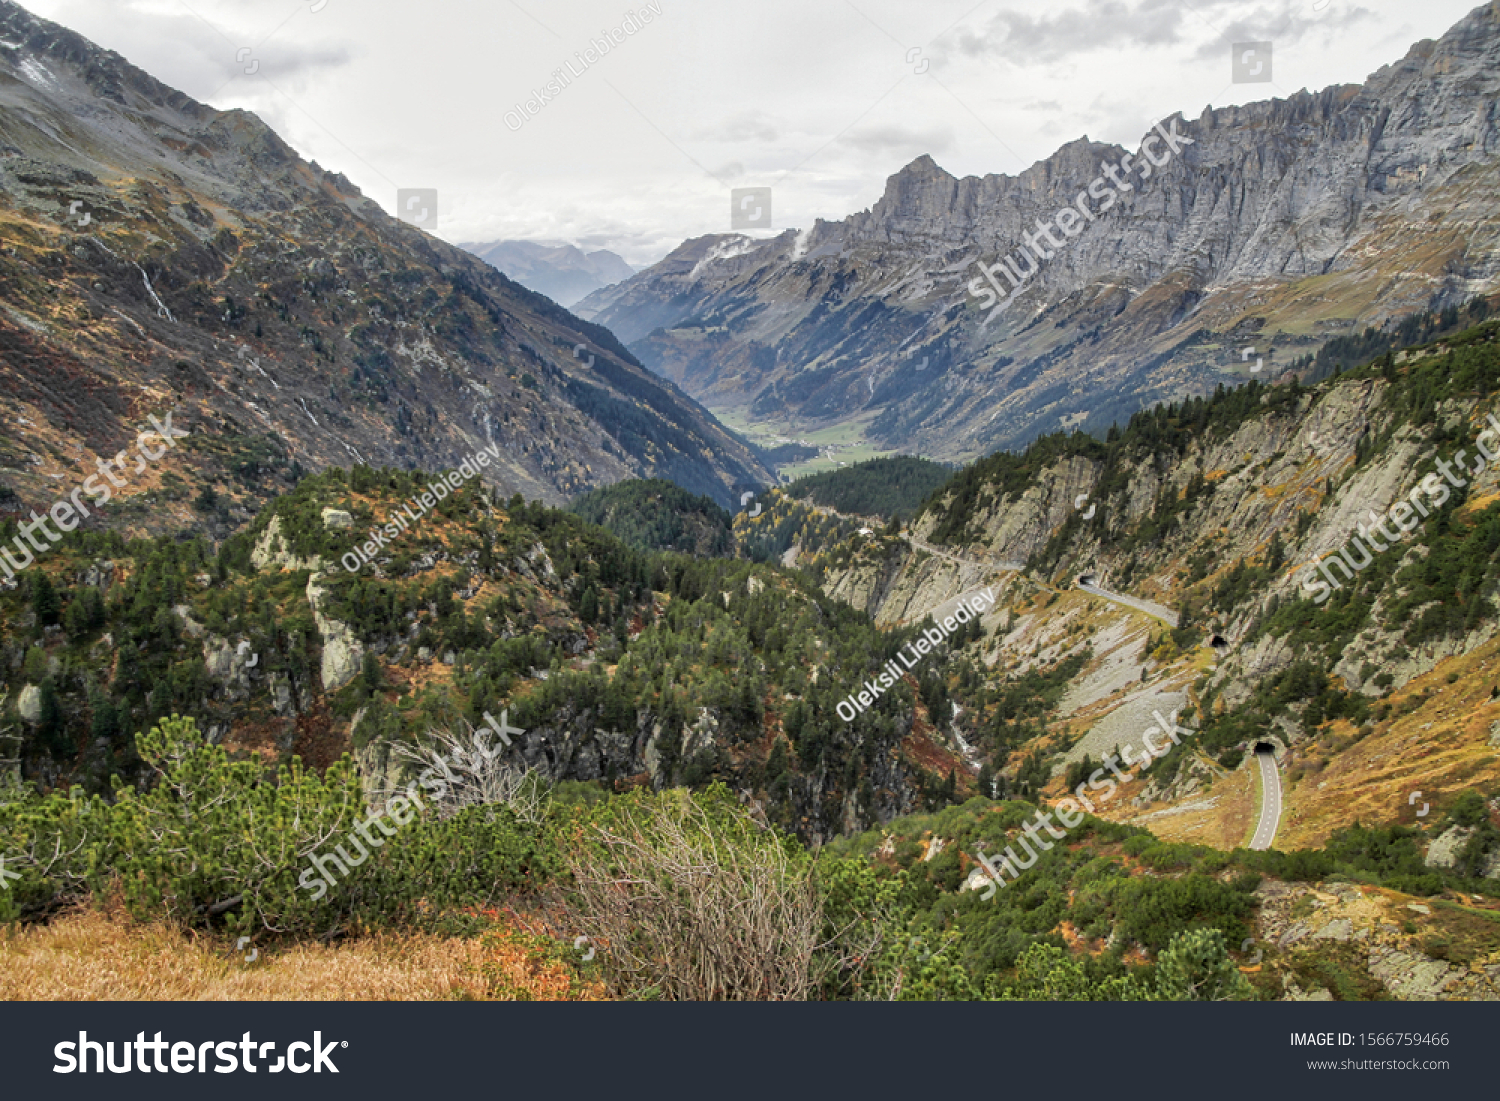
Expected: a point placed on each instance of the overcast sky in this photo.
(821, 100)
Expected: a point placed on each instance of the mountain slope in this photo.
(621, 666)
(625, 670)
(1275, 226)
(156, 254)
(656, 515)
(1367, 662)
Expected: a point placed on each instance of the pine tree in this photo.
(46, 605)
(106, 721)
(1196, 967)
(34, 668)
(51, 722)
(371, 673)
(1276, 553)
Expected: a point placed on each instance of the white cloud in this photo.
(817, 101)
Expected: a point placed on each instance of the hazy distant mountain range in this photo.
(563, 272)
(1281, 224)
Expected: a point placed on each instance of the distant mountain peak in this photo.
(563, 272)
(1277, 224)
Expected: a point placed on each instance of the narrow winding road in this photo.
(1270, 802)
(1166, 615)
(958, 559)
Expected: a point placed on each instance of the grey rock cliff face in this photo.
(1281, 224)
(1294, 457)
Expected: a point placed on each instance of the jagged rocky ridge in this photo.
(1284, 223)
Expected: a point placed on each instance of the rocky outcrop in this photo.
(190, 626)
(1382, 933)
(1444, 850)
(29, 705)
(1411, 977)
(272, 553)
(230, 663)
(343, 653)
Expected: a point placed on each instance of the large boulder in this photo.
(1444, 850)
(30, 703)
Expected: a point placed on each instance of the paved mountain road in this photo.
(1270, 802)
(1166, 615)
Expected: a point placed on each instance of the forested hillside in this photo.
(1305, 570)
(1318, 644)
(305, 669)
(886, 488)
(624, 666)
(653, 514)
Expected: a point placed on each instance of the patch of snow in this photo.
(725, 250)
(34, 71)
(799, 244)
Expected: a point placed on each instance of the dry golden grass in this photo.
(1225, 825)
(1440, 748)
(91, 956)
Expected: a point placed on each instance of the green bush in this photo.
(215, 840)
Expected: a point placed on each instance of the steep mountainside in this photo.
(564, 273)
(157, 255)
(1273, 227)
(611, 670)
(1313, 570)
